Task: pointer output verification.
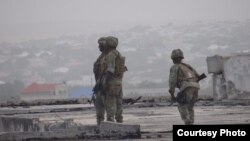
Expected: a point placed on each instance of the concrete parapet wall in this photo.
(231, 76)
(16, 129)
(16, 124)
(119, 129)
(237, 71)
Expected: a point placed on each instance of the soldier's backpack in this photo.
(190, 78)
(187, 73)
(120, 67)
(115, 87)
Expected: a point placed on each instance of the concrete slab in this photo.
(45, 109)
(106, 130)
(120, 129)
(17, 124)
(155, 120)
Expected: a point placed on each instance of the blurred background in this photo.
(55, 41)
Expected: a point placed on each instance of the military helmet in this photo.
(102, 40)
(112, 41)
(177, 53)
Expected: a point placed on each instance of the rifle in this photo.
(131, 101)
(96, 88)
(173, 99)
(93, 98)
(135, 100)
(202, 76)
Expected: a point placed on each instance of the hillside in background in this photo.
(147, 50)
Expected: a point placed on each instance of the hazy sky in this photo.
(27, 19)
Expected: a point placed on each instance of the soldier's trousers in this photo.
(100, 107)
(186, 109)
(114, 107)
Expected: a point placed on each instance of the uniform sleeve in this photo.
(96, 67)
(173, 78)
(111, 62)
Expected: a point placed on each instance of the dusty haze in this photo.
(36, 19)
(50, 41)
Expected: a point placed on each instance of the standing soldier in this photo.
(114, 67)
(99, 96)
(184, 77)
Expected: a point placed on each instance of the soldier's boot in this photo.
(119, 119)
(110, 119)
(189, 122)
(99, 119)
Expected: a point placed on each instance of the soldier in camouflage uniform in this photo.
(184, 77)
(100, 97)
(113, 68)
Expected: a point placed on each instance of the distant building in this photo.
(80, 92)
(37, 91)
(149, 92)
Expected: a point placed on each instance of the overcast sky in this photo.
(34, 19)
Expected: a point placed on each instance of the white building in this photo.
(37, 91)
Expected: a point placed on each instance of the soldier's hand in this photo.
(173, 99)
(171, 91)
(94, 89)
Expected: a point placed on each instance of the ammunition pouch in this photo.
(181, 98)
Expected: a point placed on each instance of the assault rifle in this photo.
(98, 87)
(95, 89)
(92, 100)
(130, 101)
(200, 77)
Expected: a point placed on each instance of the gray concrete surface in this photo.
(156, 119)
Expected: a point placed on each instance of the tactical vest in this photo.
(115, 83)
(120, 67)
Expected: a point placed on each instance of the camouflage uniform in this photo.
(113, 82)
(100, 98)
(184, 77)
